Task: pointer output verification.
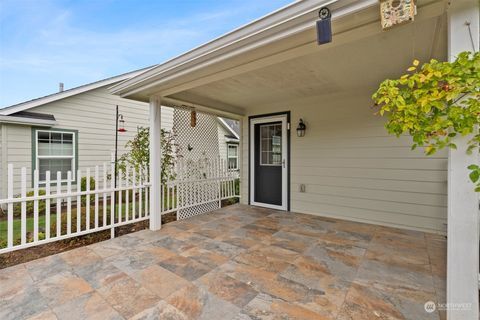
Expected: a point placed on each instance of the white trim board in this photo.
(463, 213)
(27, 121)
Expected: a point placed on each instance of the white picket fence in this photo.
(105, 207)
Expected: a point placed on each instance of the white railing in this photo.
(58, 209)
(200, 187)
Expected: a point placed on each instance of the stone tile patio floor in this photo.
(240, 263)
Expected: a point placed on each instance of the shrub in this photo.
(17, 207)
(237, 186)
(83, 186)
(138, 155)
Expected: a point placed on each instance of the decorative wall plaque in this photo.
(395, 12)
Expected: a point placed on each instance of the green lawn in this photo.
(53, 222)
(17, 226)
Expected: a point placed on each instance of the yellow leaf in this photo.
(411, 69)
(416, 62)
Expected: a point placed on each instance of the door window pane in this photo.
(271, 144)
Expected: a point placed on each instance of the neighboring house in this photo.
(229, 137)
(75, 129)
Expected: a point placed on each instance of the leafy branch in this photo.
(435, 103)
(138, 155)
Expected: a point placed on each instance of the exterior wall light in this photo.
(324, 26)
(301, 128)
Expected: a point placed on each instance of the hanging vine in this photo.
(434, 103)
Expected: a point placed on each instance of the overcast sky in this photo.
(44, 42)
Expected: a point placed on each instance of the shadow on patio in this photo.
(238, 262)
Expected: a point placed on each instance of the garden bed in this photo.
(21, 256)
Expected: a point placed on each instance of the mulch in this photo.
(21, 256)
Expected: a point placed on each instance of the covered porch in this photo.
(273, 72)
(238, 262)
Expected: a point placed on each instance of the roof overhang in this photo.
(281, 24)
(284, 35)
(27, 121)
(232, 140)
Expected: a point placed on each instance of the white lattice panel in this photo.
(196, 146)
(196, 210)
(197, 142)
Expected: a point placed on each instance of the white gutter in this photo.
(282, 23)
(27, 121)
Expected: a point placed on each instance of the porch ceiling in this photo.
(353, 66)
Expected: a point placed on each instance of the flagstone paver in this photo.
(241, 263)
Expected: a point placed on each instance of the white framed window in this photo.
(271, 144)
(232, 156)
(55, 150)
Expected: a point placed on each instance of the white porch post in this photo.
(463, 202)
(155, 163)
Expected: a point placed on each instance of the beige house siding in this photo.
(354, 170)
(3, 160)
(91, 113)
(19, 151)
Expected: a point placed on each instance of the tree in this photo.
(138, 155)
(435, 103)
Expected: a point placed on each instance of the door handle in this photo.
(283, 163)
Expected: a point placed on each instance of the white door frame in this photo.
(283, 118)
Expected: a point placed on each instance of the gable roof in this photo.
(232, 126)
(68, 93)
